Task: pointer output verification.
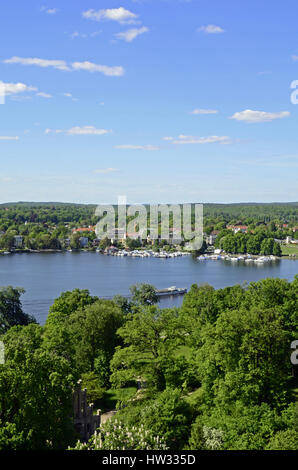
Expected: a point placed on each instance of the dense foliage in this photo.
(213, 374)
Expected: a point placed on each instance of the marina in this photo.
(144, 253)
(234, 259)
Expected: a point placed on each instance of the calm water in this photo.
(45, 275)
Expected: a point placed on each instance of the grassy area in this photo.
(194, 398)
(110, 398)
(289, 250)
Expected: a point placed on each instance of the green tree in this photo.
(75, 243)
(11, 312)
(150, 337)
(67, 303)
(169, 416)
(93, 331)
(35, 394)
(144, 294)
(276, 249)
(244, 357)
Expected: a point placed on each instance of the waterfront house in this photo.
(210, 239)
(83, 241)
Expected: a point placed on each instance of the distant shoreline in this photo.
(52, 251)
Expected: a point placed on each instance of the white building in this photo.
(210, 239)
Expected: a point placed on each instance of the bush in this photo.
(284, 440)
(114, 435)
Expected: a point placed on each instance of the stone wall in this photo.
(85, 421)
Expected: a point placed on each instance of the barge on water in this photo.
(171, 291)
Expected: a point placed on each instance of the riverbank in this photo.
(147, 253)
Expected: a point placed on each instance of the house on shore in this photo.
(83, 242)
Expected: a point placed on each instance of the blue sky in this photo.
(159, 100)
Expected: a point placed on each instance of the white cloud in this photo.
(76, 34)
(104, 171)
(131, 34)
(85, 130)
(211, 29)
(295, 58)
(121, 15)
(57, 64)
(204, 111)
(54, 131)
(49, 11)
(69, 95)
(251, 116)
(168, 138)
(5, 137)
(52, 11)
(44, 95)
(116, 71)
(14, 88)
(188, 139)
(137, 147)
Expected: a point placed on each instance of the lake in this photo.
(45, 275)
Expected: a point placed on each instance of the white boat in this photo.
(215, 257)
(262, 259)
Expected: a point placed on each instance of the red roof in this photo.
(241, 227)
(84, 229)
